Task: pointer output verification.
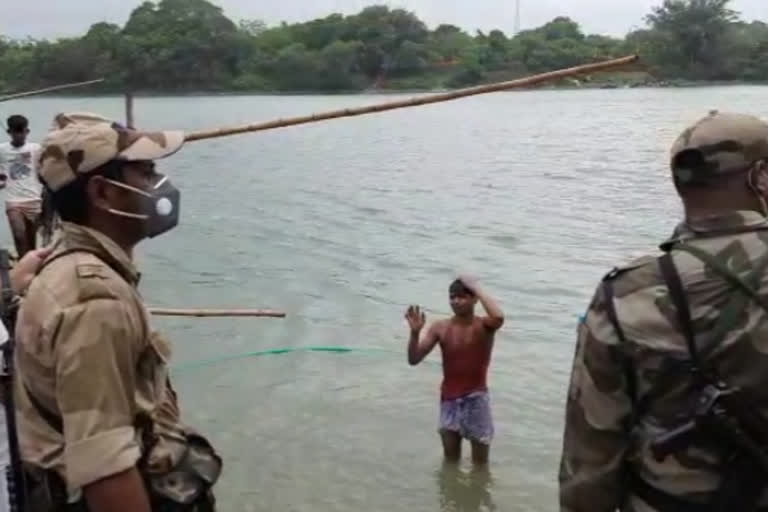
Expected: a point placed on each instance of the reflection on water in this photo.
(465, 491)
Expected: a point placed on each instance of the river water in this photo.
(342, 224)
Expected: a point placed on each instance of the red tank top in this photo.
(466, 357)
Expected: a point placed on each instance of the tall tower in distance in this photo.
(517, 17)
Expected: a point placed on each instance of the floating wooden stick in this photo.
(49, 89)
(414, 102)
(216, 312)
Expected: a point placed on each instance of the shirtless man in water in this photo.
(466, 342)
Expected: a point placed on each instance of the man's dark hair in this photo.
(71, 201)
(691, 170)
(17, 123)
(458, 288)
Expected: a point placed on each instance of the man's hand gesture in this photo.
(416, 318)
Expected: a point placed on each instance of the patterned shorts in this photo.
(469, 416)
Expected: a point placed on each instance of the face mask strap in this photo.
(160, 183)
(129, 187)
(121, 213)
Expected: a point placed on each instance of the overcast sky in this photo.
(53, 18)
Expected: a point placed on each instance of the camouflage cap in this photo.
(719, 144)
(80, 142)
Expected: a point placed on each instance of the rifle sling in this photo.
(6, 294)
(677, 294)
(610, 309)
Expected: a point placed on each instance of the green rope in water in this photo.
(288, 350)
(280, 351)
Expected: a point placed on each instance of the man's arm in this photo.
(121, 492)
(419, 349)
(598, 404)
(495, 318)
(97, 347)
(24, 271)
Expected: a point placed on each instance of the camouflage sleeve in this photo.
(96, 357)
(598, 404)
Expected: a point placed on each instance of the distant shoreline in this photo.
(194, 49)
(672, 84)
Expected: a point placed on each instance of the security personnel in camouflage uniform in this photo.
(660, 326)
(98, 419)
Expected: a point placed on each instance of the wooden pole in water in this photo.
(217, 312)
(129, 110)
(414, 102)
(48, 89)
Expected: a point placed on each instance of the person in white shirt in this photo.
(18, 175)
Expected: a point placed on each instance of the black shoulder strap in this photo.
(677, 294)
(610, 310)
(6, 293)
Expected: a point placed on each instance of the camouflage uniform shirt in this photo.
(597, 445)
(85, 351)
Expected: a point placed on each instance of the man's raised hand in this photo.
(416, 318)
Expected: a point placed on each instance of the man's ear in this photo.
(97, 192)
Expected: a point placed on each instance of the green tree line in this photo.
(190, 45)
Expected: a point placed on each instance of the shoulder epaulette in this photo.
(636, 263)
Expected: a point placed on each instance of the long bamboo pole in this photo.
(48, 89)
(414, 102)
(129, 110)
(216, 312)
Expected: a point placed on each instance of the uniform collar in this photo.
(76, 237)
(717, 225)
